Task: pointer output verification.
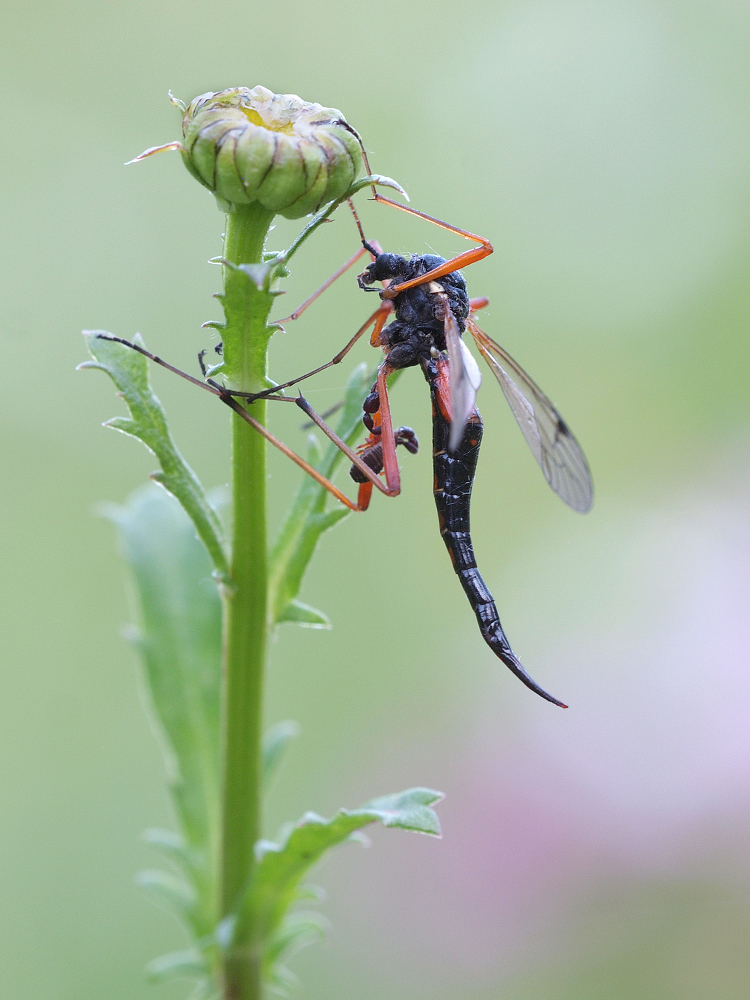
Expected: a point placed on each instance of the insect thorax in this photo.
(418, 329)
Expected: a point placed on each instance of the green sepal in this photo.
(308, 518)
(177, 102)
(379, 180)
(280, 867)
(275, 743)
(129, 371)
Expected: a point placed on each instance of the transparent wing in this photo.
(464, 379)
(552, 444)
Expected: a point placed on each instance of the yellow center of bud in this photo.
(272, 124)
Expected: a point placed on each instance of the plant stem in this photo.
(246, 633)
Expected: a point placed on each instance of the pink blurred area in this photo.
(567, 834)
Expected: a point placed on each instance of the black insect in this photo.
(427, 298)
(430, 317)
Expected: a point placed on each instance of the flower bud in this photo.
(276, 149)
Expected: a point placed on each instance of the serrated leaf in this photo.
(180, 642)
(129, 371)
(275, 743)
(409, 810)
(281, 867)
(308, 518)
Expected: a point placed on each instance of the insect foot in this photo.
(372, 454)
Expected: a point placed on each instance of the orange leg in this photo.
(326, 284)
(390, 462)
(215, 389)
(378, 318)
(392, 486)
(364, 495)
(365, 248)
(484, 249)
(384, 313)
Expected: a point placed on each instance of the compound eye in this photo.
(388, 265)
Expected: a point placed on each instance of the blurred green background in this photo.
(604, 148)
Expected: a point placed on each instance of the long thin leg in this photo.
(380, 323)
(378, 318)
(390, 461)
(454, 264)
(326, 284)
(366, 248)
(159, 361)
(297, 459)
(374, 342)
(216, 390)
(391, 487)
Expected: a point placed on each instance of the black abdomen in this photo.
(454, 478)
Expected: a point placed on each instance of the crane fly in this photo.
(432, 311)
(426, 299)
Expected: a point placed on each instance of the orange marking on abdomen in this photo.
(443, 393)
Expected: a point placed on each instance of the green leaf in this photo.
(409, 810)
(129, 371)
(280, 867)
(275, 743)
(308, 519)
(180, 642)
(379, 180)
(304, 615)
